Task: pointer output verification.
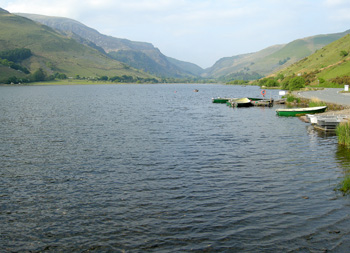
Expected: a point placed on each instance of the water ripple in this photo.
(141, 168)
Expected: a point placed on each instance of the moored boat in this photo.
(220, 100)
(243, 102)
(262, 102)
(256, 99)
(239, 102)
(300, 111)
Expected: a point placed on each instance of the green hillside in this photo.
(190, 68)
(328, 61)
(54, 52)
(327, 67)
(246, 63)
(271, 59)
(140, 55)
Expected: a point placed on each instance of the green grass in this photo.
(316, 102)
(343, 133)
(327, 60)
(292, 99)
(342, 69)
(344, 185)
(6, 72)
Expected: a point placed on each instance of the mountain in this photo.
(140, 55)
(189, 67)
(3, 11)
(332, 61)
(270, 59)
(53, 52)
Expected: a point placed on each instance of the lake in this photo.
(160, 168)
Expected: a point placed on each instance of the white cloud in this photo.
(333, 3)
(54, 8)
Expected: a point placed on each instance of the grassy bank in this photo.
(343, 133)
(344, 186)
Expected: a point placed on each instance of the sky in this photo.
(200, 31)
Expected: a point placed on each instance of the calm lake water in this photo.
(161, 168)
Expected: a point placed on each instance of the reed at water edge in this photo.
(343, 134)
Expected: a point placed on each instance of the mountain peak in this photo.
(4, 11)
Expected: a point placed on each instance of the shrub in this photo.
(38, 76)
(343, 53)
(341, 80)
(296, 83)
(268, 82)
(272, 83)
(285, 83)
(344, 186)
(292, 99)
(280, 77)
(321, 80)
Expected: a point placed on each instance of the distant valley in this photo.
(146, 57)
(70, 48)
(140, 55)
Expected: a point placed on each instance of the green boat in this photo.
(220, 100)
(256, 99)
(300, 111)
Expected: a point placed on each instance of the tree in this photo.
(12, 80)
(16, 55)
(272, 83)
(296, 83)
(38, 75)
(343, 53)
(103, 78)
(280, 76)
(60, 76)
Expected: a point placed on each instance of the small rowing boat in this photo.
(220, 100)
(239, 102)
(300, 111)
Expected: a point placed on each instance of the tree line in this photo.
(12, 58)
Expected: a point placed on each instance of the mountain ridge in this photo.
(273, 58)
(144, 57)
(53, 52)
(124, 50)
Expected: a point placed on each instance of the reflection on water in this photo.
(320, 133)
(343, 157)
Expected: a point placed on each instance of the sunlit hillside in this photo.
(329, 62)
(53, 52)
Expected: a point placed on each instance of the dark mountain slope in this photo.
(140, 55)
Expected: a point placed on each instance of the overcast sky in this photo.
(200, 31)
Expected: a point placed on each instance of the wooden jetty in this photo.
(326, 122)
